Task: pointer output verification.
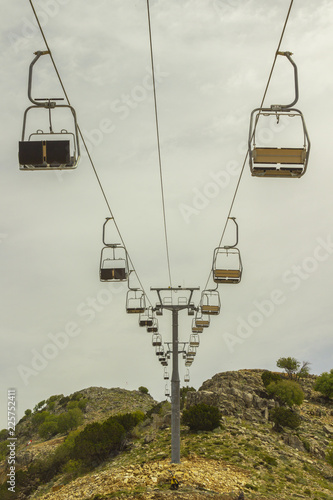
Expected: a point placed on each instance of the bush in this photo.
(3, 435)
(285, 417)
(287, 391)
(201, 417)
(3, 449)
(48, 428)
(128, 420)
(70, 420)
(143, 390)
(54, 398)
(267, 377)
(324, 384)
(39, 417)
(155, 410)
(64, 400)
(98, 441)
(27, 413)
(38, 406)
(83, 403)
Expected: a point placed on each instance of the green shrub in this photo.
(269, 460)
(285, 417)
(70, 420)
(98, 441)
(143, 390)
(72, 467)
(54, 398)
(76, 396)
(267, 377)
(83, 403)
(39, 417)
(48, 428)
(128, 420)
(201, 417)
(51, 406)
(27, 413)
(64, 400)
(72, 404)
(324, 384)
(3, 449)
(155, 410)
(38, 406)
(3, 435)
(287, 391)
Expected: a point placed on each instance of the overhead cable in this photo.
(158, 145)
(85, 145)
(261, 105)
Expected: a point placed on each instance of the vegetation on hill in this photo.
(122, 448)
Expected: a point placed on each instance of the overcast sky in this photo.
(63, 330)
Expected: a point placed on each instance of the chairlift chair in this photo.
(195, 328)
(201, 321)
(210, 302)
(187, 376)
(191, 351)
(159, 351)
(163, 361)
(135, 301)
(156, 340)
(53, 150)
(194, 340)
(191, 309)
(167, 391)
(188, 362)
(158, 310)
(227, 262)
(113, 263)
(154, 327)
(166, 374)
(146, 318)
(279, 161)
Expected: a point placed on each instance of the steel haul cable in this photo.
(85, 145)
(158, 143)
(261, 105)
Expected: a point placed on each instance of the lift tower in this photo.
(175, 303)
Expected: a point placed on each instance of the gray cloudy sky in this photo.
(61, 328)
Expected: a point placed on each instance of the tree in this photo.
(285, 417)
(143, 390)
(324, 384)
(201, 417)
(268, 377)
(290, 365)
(48, 428)
(293, 367)
(287, 391)
(304, 370)
(70, 420)
(39, 417)
(97, 441)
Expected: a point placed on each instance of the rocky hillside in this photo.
(245, 454)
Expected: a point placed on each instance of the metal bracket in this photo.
(278, 107)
